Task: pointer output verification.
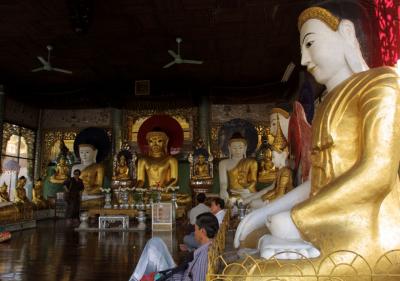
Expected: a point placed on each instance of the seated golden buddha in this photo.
(37, 194)
(237, 174)
(267, 171)
(20, 192)
(158, 167)
(121, 171)
(201, 169)
(4, 196)
(61, 173)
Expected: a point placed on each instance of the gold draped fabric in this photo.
(354, 202)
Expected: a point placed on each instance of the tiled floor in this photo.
(54, 251)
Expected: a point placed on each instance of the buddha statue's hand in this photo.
(251, 222)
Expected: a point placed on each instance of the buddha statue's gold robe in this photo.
(354, 202)
(160, 171)
(243, 175)
(92, 177)
(284, 184)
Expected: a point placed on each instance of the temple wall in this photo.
(21, 114)
(82, 118)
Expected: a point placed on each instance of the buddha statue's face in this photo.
(21, 182)
(122, 160)
(88, 154)
(62, 161)
(3, 188)
(237, 149)
(157, 144)
(202, 159)
(322, 51)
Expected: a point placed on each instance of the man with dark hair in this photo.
(189, 240)
(217, 208)
(156, 259)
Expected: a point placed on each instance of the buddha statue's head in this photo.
(62, 161)
(38, 183)
(122, 160)
(201, 159)
(21, 182)
(87, 154)
(329, 47)
(158, 143)
(237, 146)
(3, 188)
(279, 118)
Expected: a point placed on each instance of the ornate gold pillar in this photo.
(116, 130)
(2, 102)
(204, 120)
(38, 145)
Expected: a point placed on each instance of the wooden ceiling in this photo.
(245, 45)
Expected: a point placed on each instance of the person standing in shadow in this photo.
(73, 190)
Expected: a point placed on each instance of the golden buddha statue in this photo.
(238, 173)
(201, 170)
(352, 203)
(4, 196)
(61, 173)
(267, 171)
(37, 194)
(121, 171)
(159, 168)
(284, 179)
(20, 192)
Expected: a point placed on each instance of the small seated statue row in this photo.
(20, 193)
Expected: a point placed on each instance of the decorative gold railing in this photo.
(338, 266)
(218, 246)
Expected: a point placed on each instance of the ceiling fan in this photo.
(177, 56)
(47, 65)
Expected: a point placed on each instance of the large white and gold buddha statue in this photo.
(352, 201)
(92, 144)
(237, 174)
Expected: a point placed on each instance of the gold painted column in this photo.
(116, 130)
(2, 102)
(38, 145)
(204, 120)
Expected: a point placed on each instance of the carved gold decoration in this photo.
(339, 265)
(134, 119)
(319, 14)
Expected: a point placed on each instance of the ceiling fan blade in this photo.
(62, 70)
(192, 61)
(173, 54)
(42, 60)
(169, 64)
(37, 69)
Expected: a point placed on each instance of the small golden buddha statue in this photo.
(4, 196)
(37, 194)
(267, 171)
(121, 171)
(61, 173)
(201, 168)
(20, 192)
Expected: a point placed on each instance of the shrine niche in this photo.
(135, 119)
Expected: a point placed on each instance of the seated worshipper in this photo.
(189, 240)
(156, 260)
(217, 208)
(73, 187)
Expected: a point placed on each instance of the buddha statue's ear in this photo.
(166, 146)
(353, 53)
(244, 151)
(95, 155)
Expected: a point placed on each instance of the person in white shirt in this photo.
(189, 242)
(217, 208)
